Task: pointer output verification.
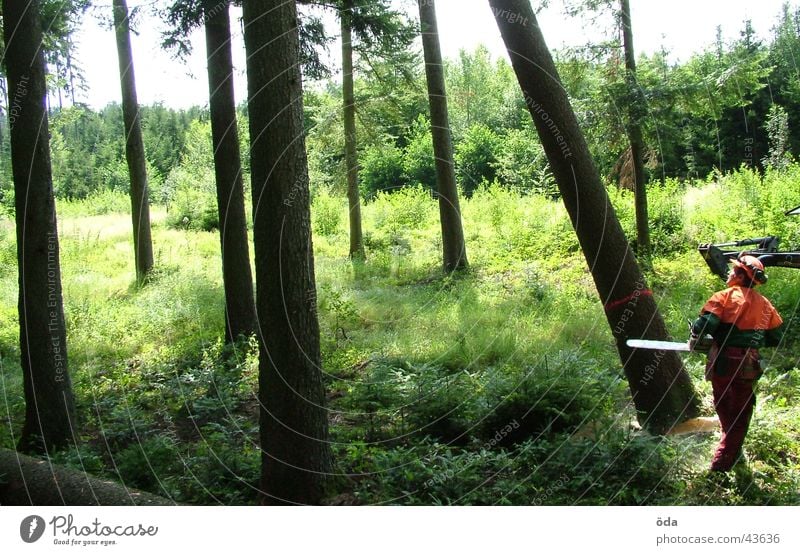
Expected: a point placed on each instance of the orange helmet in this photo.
(751, 266)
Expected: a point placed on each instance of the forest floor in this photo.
(498, 386)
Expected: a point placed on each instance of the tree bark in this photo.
(28, 481)
(662, 391)
(634, 130)
(49, 404)
(453, 246)
(350, 151)
(134, 146)
(240, 312)
(294, 428)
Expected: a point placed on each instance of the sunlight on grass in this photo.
(423, 370)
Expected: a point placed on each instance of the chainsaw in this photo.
(699, 345)
(694, 345)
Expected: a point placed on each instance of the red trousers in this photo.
(734, 400)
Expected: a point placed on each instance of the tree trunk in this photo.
(454, 249)
(662, 391)
(240, 312)
(294, 428)
(28, 481)
(134, 147)
(350, 152)
(634, 129)
(49, 404)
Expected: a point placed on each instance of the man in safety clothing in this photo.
(741, 321)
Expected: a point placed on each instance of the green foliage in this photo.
(522, 164)
(419, 162)
(327, 213)
(778, 132)
(190, 188)
(403, 211)
(666, 215)
(88, 148)
(6, 203)
(98, 203)
(476, 158)
(744, 204)
(481, 91)
(191, 207)
(382, 170)
(498, 386)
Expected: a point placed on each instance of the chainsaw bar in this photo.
(658, 345)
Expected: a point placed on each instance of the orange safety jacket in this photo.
(741, 320)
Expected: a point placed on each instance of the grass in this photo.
(497, 386)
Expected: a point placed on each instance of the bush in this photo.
(666, 217)
(6, 202)
(191, 200)
(476, 157)
(419, 162)
(405, 209)
(727, 207)
(560, 396)
(382, 170)
(522, 164)
(327, 212)
(96, 204)
(193, 209)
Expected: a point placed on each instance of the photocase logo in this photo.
(31, 529)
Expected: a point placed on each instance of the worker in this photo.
(741, 321)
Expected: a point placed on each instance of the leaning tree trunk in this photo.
(635, 105)
(49, 404)
(662, 391)
(453, 247)
(294, 429)
(350, 152)
(240, 313)
(134, 146)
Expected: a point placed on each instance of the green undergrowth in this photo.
(496, 385)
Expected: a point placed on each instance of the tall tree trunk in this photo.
(134, 146)
(453, 247)
(49, 404)
(294, 427)
(634, 130)
(240, 312)
(662, 391)
(350, 152)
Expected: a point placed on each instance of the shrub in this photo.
(522, 164)
(6, 202)
(666, 216)
(419, 161)
(558, 396)
(382, 170)
(327, 213)
(96, 204)
(476, 157)
(403, 210)
(192, 202)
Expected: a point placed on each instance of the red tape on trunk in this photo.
(638, 293)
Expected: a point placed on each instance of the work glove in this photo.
(700, 344)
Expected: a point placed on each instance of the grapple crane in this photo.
(719, 255)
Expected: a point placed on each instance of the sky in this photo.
(681, 26)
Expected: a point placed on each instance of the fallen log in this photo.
(28, 481)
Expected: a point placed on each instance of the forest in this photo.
(401, 280)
